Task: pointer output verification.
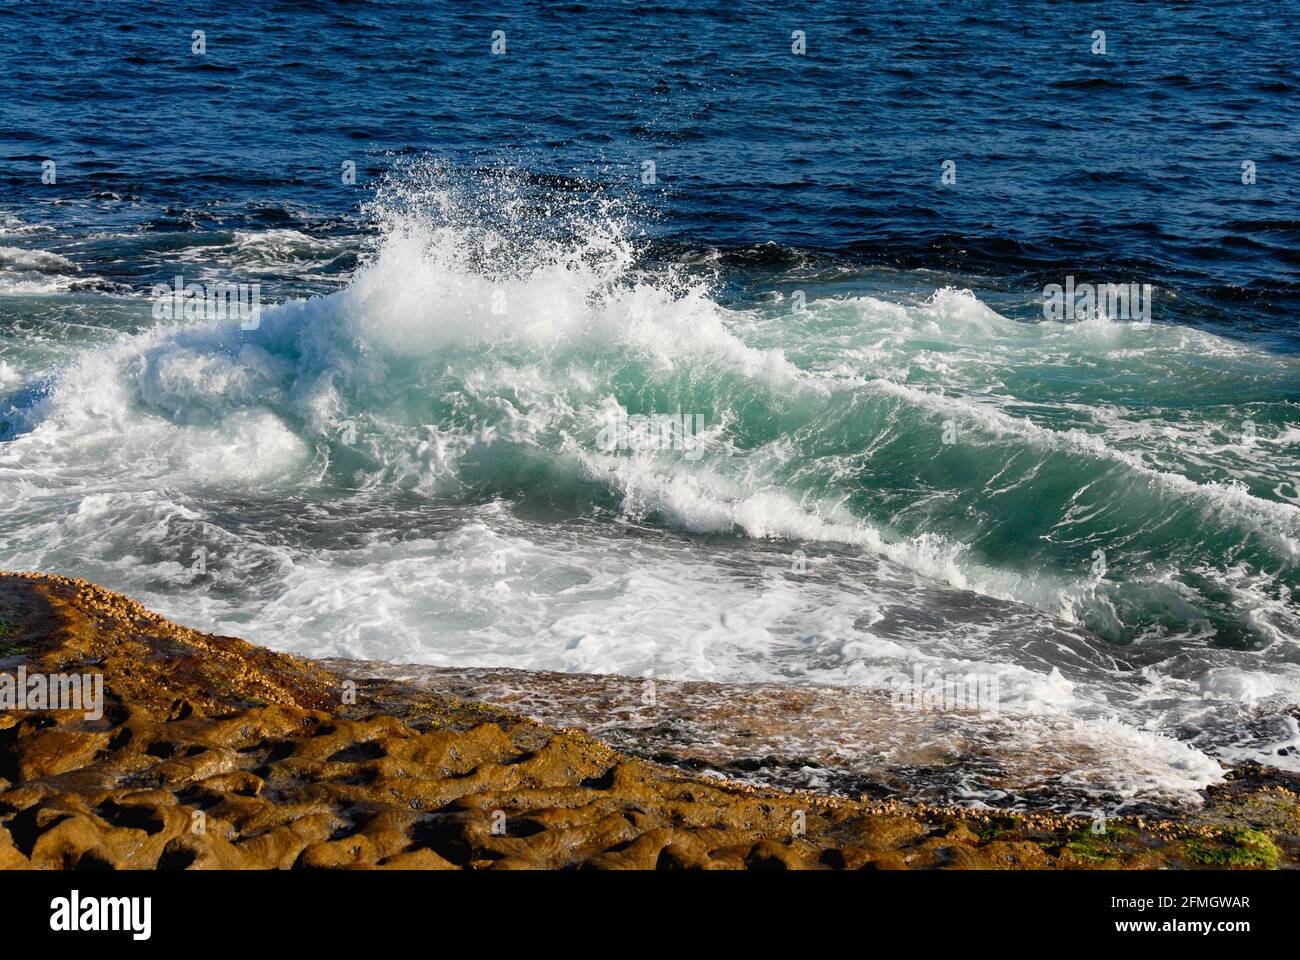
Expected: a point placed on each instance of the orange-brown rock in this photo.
(213, 753)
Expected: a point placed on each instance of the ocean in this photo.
(741, 344)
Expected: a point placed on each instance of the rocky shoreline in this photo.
(213, 753)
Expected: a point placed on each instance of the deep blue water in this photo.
(912, 470)
(1125, 167)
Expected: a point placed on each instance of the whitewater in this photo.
(1104, 516)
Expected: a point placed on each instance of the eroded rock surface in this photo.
(213, 753)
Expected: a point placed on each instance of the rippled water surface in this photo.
(894, 462)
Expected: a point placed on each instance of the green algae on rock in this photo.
(214, 753)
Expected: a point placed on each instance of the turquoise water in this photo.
(889, 457)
